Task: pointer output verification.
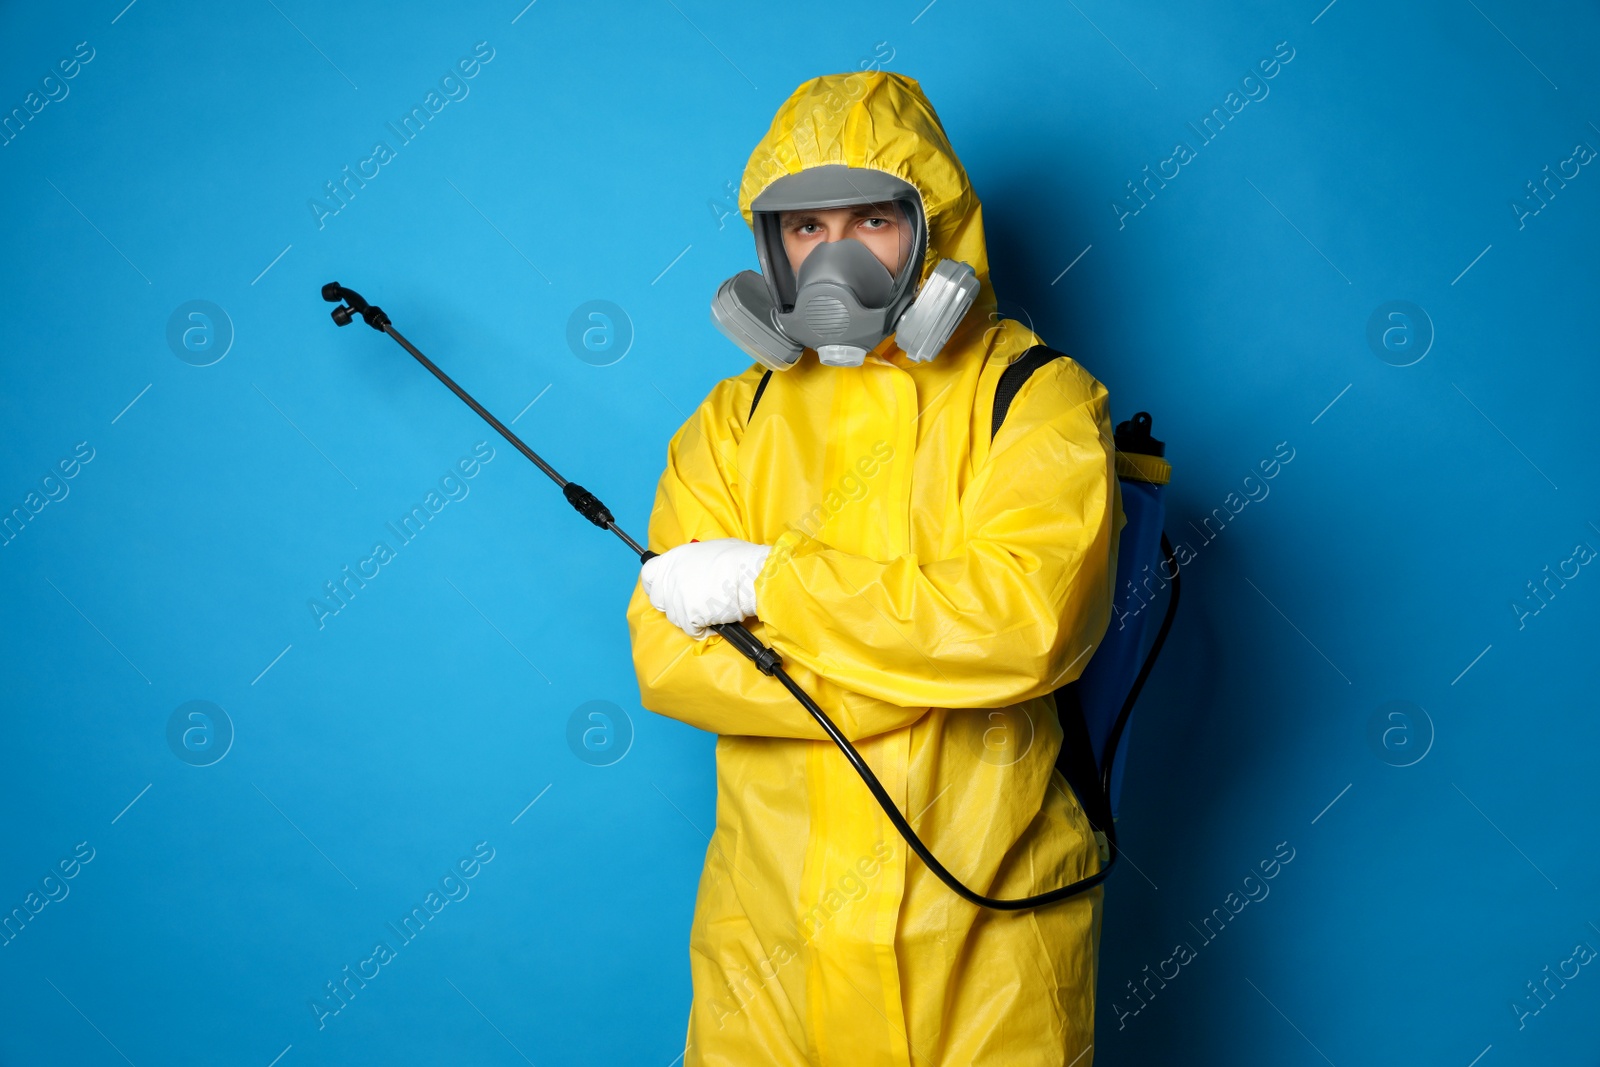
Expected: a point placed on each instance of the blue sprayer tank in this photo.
(1144, 570)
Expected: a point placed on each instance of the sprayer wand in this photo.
(766, 660)
(584, 502)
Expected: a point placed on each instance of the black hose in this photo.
(940, 871)
(768, 661)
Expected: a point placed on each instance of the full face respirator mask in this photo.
(843, 301)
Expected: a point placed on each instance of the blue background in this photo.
(591, 161)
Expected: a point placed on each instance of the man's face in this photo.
(881, 227)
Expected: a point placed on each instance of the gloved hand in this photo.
(704, 583)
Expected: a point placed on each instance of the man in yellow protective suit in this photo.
(928, 586)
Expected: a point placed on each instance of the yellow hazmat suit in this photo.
(918, 573)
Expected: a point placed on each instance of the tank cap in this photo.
(1134, 436)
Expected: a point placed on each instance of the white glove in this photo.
(704, 583)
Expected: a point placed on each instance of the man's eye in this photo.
(875, 223)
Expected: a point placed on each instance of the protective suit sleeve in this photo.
(1014, 613)
(709, 684)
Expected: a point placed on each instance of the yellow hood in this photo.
(880, 121)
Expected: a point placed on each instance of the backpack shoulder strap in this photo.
(1015, 375)
(761, 387)
(1076, 759)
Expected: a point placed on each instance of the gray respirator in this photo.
(843, 302)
